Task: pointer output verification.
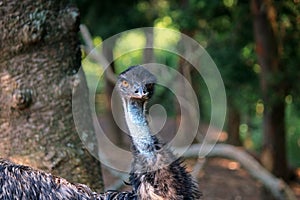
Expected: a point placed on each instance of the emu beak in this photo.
(140, 94)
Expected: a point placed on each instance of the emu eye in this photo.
(125, 83)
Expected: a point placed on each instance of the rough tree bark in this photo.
(272, 85)
(40, 56)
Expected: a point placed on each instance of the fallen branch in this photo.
(279, 189)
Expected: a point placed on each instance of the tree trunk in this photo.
(273, 87)
(115, 134)
(148, 56)
(40, 56)
(233, 126)
(184, 116)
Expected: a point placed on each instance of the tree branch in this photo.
(96, 55)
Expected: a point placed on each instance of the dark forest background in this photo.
(255, 45)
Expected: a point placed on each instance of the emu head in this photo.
(136, 83)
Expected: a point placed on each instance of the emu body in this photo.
(18, 182)
(156, 173)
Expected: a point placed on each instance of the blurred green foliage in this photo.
(225, 30)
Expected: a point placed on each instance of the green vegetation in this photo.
(225, 30)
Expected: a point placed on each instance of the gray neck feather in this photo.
(138, 126)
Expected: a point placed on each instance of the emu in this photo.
(156, 173)
(23, 182)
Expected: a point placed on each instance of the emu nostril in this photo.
(140, 92)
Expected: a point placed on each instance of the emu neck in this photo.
(138, 126)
